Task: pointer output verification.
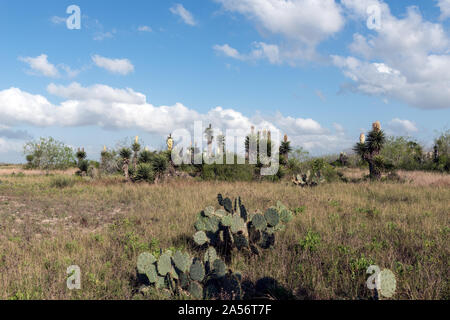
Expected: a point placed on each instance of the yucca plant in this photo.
(285, 148)
(369, 149)
(144, 172)
(125, 155)
(83, 164)
(81, 154)
(146, 156)
(160, 164)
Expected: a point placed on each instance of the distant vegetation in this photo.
(377, 152)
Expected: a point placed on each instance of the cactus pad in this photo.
(285, 215)
(210, 255)
(212, 224)
(272, 217)
(200, 224)
(238, 224)
(197, 271)
(220, 213)
(244, 214)
(200, 238)
(181, 261)
(240, 241)
(196, 290)
(164, 264)
(145, 260)
(227, 220)
(209, 211)
(259, 222)
(160, 282)
(220, 269)
(228, 205)
(183, 280)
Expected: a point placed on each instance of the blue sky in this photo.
(312, 69)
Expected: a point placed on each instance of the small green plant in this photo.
(311, 241)
(299, 210)
(370, 212)
(61, 182)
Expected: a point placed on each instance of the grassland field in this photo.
(338, 231)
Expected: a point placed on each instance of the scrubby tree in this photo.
(49, 154)
(402, 153)
(442, 152)
(369, 150)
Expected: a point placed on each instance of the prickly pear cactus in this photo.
(233, 227)
(179, 273)
(308, 180)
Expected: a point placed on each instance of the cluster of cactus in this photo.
(178, 272)
(233, 227)
(309, 179)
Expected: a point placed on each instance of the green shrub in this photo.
(62, 182)
(160, 164)
(49, 154)
(228, 172)
(144, 172)
(311, 241)
(146, 156)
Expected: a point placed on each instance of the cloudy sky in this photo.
(319, 70)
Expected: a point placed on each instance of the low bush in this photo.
(62, 182)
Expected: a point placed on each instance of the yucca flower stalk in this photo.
(362, 138)
(136, 147)
(169, 143)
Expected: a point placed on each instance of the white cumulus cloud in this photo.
(401, 127)
(41, 66)
(302, 23)
(120, 66)
(444, 6)
(404, 60)
(106, 107)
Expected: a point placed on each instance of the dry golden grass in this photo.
(8, 170)
(417, 178)
(103, 225)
